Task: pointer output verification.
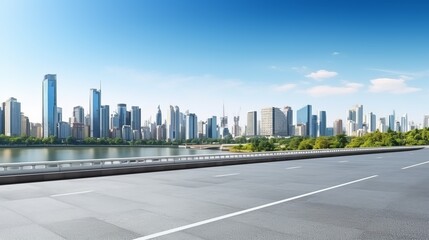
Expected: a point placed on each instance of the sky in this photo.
(203, 54)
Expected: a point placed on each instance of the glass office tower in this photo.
(49, 105)
(94, 111)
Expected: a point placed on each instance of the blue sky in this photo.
(199, 54)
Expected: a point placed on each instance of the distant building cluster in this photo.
(102, 121)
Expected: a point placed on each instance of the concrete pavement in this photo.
(378, 196)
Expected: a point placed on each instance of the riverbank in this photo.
(74, 145)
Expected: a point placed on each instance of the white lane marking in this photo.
(215, 219)
(415, 165)
(227, 175)
(379, 157)
(293, 167)
(344, 161)
(72, 193)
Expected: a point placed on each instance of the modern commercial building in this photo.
(127, 133)
(313, 125)
(338, 127)
(191, 126)
(289, 120)
(136, 118)
(178, 120)
(392, 121)
(1, 121)
(273, 122)
(104, 121)
(382, 126)
(49, 105)
(303, 116)
(25, 126)
(404, 123)
(64, 130)
(171, 124)
(372, 125)
(322, 123)
(212, 128)
(12, 117)
(252, 123)
(159, 117)
(78, 114)
(122, 114)
(94, 111)
(426, 121)
(359, 116)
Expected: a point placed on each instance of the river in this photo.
(40, 154)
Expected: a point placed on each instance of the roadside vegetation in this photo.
(254, 144)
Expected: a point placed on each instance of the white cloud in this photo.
(322, 74)
(326, 90)
(391, 85)
(335, 53)
(285, 87)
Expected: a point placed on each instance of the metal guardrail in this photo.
(94, 164)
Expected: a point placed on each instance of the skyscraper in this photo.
(322, 123)
(12, 118)
(252, 122)
(104, 121)
(49, 105)
(338, 127)
(94, 111)
(289, 120)
(122, 114)
(404, 123)
(303, 116)
(178, 120)
(171, 124)
(79, 114)
(392, 121)
(136, 118)
(159, 117)
(212, 128)
(273, 122)
(313, 124)
(359, 116)
(372, 125)
(1, 121)
(191, 126)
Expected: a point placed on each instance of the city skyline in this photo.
(199, 55)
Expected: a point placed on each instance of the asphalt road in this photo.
(378, 196)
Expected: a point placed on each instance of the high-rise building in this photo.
(122, 114)
(159, 117)
(1, 121)
(212, 128)
(371, 122)
(178, 120)
(359, 116)
(201, 129)
(191, 126)
(136, 116)
(273, 122)
(127, 133)
(404, 123)
(338, 127)
(78, 114)
(36, 130)
(25, 126)
(12, 117)
(303, 116)
(289, 120)
(392, 121)
(64, 130)
(236, 129)
(104, 121)
(382, 126)
(59, 114)
(94, 111)
(313, 124)
(322, 123)
(252, 123)
(49, 105)
(426, 121)
(171, 124)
